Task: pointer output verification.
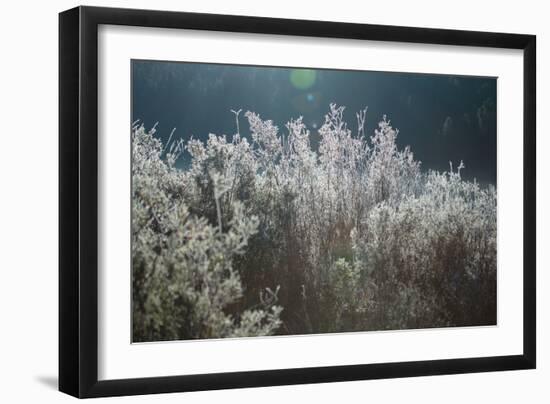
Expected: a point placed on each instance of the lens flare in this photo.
(302, 79)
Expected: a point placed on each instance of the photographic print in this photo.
(272, 201)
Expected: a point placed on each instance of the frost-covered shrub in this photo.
(432, 257)
(183, 277)
(392, 174)
(351, 236)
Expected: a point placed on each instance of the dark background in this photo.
(442, 117)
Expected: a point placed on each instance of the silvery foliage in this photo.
(352, 236)
(183, 277)
(432, 256)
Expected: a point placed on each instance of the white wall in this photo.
(28, 200)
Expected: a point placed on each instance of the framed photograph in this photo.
(252, 201)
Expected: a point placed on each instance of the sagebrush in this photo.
(269, 235)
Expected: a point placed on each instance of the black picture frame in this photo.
(78, 201)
